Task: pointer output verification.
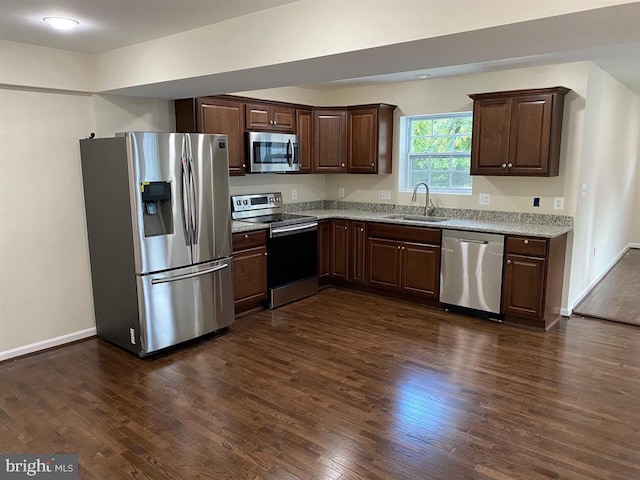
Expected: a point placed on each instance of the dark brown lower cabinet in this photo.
(404, 259)
(339, 264)
(324, 249)
(533, 275)
(249, 270)
(357, 251)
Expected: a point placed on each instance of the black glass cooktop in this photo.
(280, 219)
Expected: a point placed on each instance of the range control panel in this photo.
(256, 204)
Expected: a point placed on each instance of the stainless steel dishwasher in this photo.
(471, 270)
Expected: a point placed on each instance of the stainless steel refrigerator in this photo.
(159, 229)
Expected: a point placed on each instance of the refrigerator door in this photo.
(161, 228)
(184, 304)
(209, 169)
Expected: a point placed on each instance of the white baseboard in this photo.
(593, 283)
(43, 345)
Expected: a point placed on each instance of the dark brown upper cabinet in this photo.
(263, 116)
(304, 122)
(215, 115)
(517, 132)
(329, 140)
(370, 138)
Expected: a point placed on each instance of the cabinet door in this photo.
(339, 266)
(530, 135)
(305, 142)
(224, 116)
(250, 276)
(420, 269)
(283, 119)
(358, 248)
(523, 291)
(490, 136)
(329, 135)
(383, 264)
(362, 140)
(258, 117)
(324, 248)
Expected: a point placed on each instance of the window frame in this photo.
(406, 128)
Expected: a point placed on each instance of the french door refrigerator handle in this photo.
(155, 281)
(193, 197)
(186, 204)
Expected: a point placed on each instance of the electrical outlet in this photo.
(341, 193)
(536, 201)
(384, 194)
(484, 199)
(558, 203)
(294, 194)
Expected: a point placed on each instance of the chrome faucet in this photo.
(427, 200)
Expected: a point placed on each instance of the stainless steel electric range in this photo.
(292, 246)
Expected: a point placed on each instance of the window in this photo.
(438, 152)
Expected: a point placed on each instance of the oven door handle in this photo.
(282, 231)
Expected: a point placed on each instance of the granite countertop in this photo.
(541, 230)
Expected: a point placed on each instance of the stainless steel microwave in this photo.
(272, 152)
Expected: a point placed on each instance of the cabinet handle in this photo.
(510, 165)
(504, 165)
(508, 262)
(526, 242)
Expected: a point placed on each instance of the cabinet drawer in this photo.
(527, 246)
(405, 234)
(244, 240)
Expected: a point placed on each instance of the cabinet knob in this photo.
(398, 247)
(246, 235)
(362, 229)
(504, 165)
(265, 254)
(510, 165)
(402, 248)
(526, 242)
(243, 165)
(508, 262)
(270, 122)
(275, 123)
(373, 164)
(342, 165)
(346, 228)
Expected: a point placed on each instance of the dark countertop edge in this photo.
(527, 229)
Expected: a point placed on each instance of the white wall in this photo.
(635, 220)
(606, 214)
(116, 113)
(45, 290)
(45, 279)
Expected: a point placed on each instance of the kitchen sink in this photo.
(417, 218)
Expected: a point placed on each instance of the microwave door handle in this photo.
(290, 148)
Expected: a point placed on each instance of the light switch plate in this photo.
(484, 199)
(384, 194)
(294, 194)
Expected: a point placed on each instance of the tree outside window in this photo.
(439, 152)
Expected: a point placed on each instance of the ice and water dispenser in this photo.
(157, 214)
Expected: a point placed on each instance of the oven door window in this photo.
(292, 258)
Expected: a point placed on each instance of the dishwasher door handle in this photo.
(468, 240)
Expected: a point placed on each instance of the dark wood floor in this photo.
(342, 385)
(616, 297)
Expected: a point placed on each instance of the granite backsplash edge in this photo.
(462, 213)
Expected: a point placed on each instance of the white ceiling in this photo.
(110, 24)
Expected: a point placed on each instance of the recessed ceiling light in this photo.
(422, 76)
(61, 23)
